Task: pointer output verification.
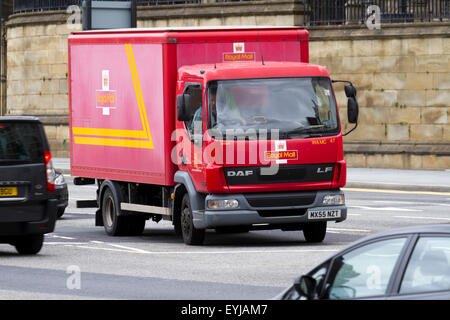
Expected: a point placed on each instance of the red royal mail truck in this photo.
(211, 128)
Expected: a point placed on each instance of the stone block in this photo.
(375, 115)
(415, 162)
(399, 115)
(394, 161)
(416, 47)
(61, 101)
(406, 63)
(436, 162)
(397, 132)
(392, 47)
(446, 134)
(438, 98)
(388, 64)
(62, 133)
(362, 48)
(434, 63)
(374, 132)
(436, 46)
(59, 70)
(355, 160)
(426, 132)
(63, 86)
(411, 98)
(33, 87)
(36, 57)
(15, 58)
(50, 86)
(419, 81)
(371, 99)
(432, 115)
(441, 80)
(50, 131)
(15, 88)
(390, 97)
(34, 30)
(15, 32)
(390, 81)
(58, 56)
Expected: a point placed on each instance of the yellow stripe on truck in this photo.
(119, 133)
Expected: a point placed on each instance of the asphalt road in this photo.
(79, 261)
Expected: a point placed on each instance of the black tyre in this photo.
(191, 235)
(114, 224)
(234, 229)
(315, 231)
(29, 244)
(60, 212)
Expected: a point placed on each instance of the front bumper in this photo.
(249, 215)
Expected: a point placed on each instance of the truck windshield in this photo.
(297, 107)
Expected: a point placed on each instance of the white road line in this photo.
(385, 208)
(66, 242)
(59, 237)
(127, 248)
(424, 218)
(353, 214)
(413, 203)
(95, 241)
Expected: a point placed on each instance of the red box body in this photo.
(122, 91)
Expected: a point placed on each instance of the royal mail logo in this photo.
(238, 54)
(106, 98)
(281, 155)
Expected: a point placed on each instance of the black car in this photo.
(400, 264)
(28, 199)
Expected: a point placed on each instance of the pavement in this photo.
(366, 178)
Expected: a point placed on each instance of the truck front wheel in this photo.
(191, 235)
(315, 231)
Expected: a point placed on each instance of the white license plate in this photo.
(324, 214)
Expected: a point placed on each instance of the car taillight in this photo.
(51, 174)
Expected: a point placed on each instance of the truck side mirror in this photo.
(183, 107)
(352, 110)
(306, 286)
(350, 91)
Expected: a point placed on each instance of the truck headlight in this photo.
(333, 199)
(223, 204)
(59, 179)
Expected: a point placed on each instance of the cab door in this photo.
(192, 154)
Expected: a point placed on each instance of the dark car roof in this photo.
(19, 118)
(428, 228)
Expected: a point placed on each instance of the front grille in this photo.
(262, 200)
(281, 213)
(286, 174)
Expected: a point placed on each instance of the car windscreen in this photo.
(20, 142)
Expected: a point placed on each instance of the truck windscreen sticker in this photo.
(118, 137)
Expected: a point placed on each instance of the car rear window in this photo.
(20, 142)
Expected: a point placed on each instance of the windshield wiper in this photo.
(315, 131)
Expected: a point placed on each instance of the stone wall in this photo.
(403, 78)
(401, 72)
(37, 72)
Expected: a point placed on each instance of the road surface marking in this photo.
(127, 248)
(385, 208)
(397, 191)
(59, 237)
(413, 203)
(424, 218)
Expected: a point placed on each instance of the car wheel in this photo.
(315, 231)
(60, 212)
(29, 244)
(191, 235)
(114, 224)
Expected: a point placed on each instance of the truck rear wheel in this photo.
(29, 244)
(191, 235)
(115, 225)
(315, 231)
